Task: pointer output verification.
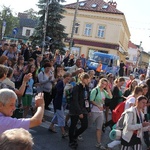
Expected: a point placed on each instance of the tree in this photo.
(53, 27)
(11, 21)
(31, 13)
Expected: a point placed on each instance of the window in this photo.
(27, 32)
(94, 5)
(101, 31)
(105, 6)
(76, 28)
(82, 4)
(91, 51)
(88, 29)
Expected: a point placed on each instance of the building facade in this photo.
(137, 57)
(24, 30)
(99, 26)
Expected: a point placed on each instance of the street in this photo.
(46, 140)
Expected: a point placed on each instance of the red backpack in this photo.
(116, 113)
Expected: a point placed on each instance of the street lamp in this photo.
(73, 26)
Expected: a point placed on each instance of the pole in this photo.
(73, 26)
(45, 25)
(139, 57)
(141, 52)
(3, 29)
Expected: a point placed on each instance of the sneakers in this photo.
(66, 128)
(73, 145)
(52, 130)
(100, 146)
(80, 138)
(64, 135)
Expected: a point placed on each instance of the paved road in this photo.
(45, 140)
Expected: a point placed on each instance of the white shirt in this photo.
(129, 101)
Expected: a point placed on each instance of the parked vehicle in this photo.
(110, 63)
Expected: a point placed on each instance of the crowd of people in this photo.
(26, 74)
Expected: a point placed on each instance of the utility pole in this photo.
(73, 26)
(140, 56)
(141, 52)
(45, 25)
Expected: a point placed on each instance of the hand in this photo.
(107, 87)
(27, 77)
(101, 108)
(144, 124)
(39, 100)
(81, 116)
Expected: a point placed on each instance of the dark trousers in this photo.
(47, 98)
(146, 134)
(73, 131)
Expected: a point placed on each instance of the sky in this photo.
(137, 13)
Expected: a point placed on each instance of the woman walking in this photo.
(97, 98)
(79, 107)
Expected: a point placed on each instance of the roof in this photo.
(25, 22)
(132, 45)
(96, 6)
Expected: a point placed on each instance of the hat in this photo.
(37, 47)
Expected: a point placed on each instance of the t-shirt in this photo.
(7, 123)
(98, 99)
(130, 100)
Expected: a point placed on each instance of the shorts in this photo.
(27, 100)
(98, 118)
(59, 117)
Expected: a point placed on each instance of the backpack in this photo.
(119, 109)
(68, 91)
(116, 113)
(91, 105)
(120, 123)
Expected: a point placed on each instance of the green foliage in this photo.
(11, 21)
(31, 13)
(54, 29)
